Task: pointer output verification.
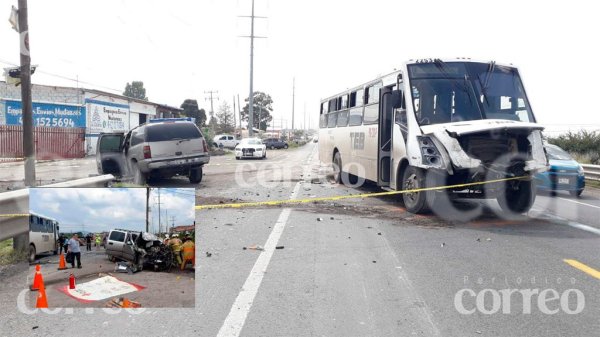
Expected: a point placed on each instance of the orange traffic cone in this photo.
(61, 264)
(37, 279)
(42, 301)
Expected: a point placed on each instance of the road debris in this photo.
(379, 233)
(122, 302)
(279, 247)
(319, 219)
(254, 247)
(208, 254)
(442, 245)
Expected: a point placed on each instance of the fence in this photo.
(50, 143)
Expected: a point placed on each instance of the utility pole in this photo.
(147, 209)
(234, 114)
(212, 111)
(159, 226)
(251, 95)
(239, 111)
(293, 100)
(28, 140)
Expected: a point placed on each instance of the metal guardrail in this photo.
(592, 172)
(17, 202)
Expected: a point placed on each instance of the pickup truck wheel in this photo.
(285, 146)
(196, 175)
(139, 178)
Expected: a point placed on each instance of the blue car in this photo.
(565, 174)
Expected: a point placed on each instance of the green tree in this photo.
(135, 89)
(225, 117)
(262, 107)
(190, 109)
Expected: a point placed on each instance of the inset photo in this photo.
(112, 247)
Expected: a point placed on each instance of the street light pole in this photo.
(26, 106)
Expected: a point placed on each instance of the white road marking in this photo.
(579, 202)
(232, 327)
(570, 223)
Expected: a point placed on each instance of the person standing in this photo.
(189, 252)
(61, 244)
(88, 242)
(73, 247)
(175, 244)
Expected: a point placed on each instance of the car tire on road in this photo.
(285, 146)
(576, 194)
(195, 175)
(139, 177)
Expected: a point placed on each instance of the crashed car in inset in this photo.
(141, 249)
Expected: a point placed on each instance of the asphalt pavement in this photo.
(363, 266)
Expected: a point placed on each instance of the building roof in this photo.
(180, 229)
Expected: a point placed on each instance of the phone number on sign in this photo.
(54, 122)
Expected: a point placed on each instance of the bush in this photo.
(584, 145)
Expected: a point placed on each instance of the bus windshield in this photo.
(462, 91)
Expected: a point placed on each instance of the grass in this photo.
(8, 255)
(592, 183)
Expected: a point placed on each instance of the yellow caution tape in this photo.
(339, 197)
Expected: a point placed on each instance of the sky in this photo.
(102, 209)
(181, 49)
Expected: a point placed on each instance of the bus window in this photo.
(360, 97)
(323, 121)
(344, 102)
(371, 115)
(332, 120)
(333, 105)
(352, 99)
(342, 118)
(324, 107)
(355, 117)
(373, 93)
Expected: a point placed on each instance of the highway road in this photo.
(364, 266)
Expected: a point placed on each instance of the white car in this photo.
(251, 148)
(226, 141)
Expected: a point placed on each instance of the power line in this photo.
(67, 78)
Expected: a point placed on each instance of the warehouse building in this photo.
(82, 112)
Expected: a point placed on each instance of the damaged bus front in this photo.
(472, 122)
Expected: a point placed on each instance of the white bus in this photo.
(43, 235)
(437, 122)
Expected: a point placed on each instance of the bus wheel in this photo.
(415, 202)
(31, 253)
(518, 197)
(337, 168)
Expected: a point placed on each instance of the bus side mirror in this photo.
(397, 99)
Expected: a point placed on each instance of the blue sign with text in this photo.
(47, 114)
